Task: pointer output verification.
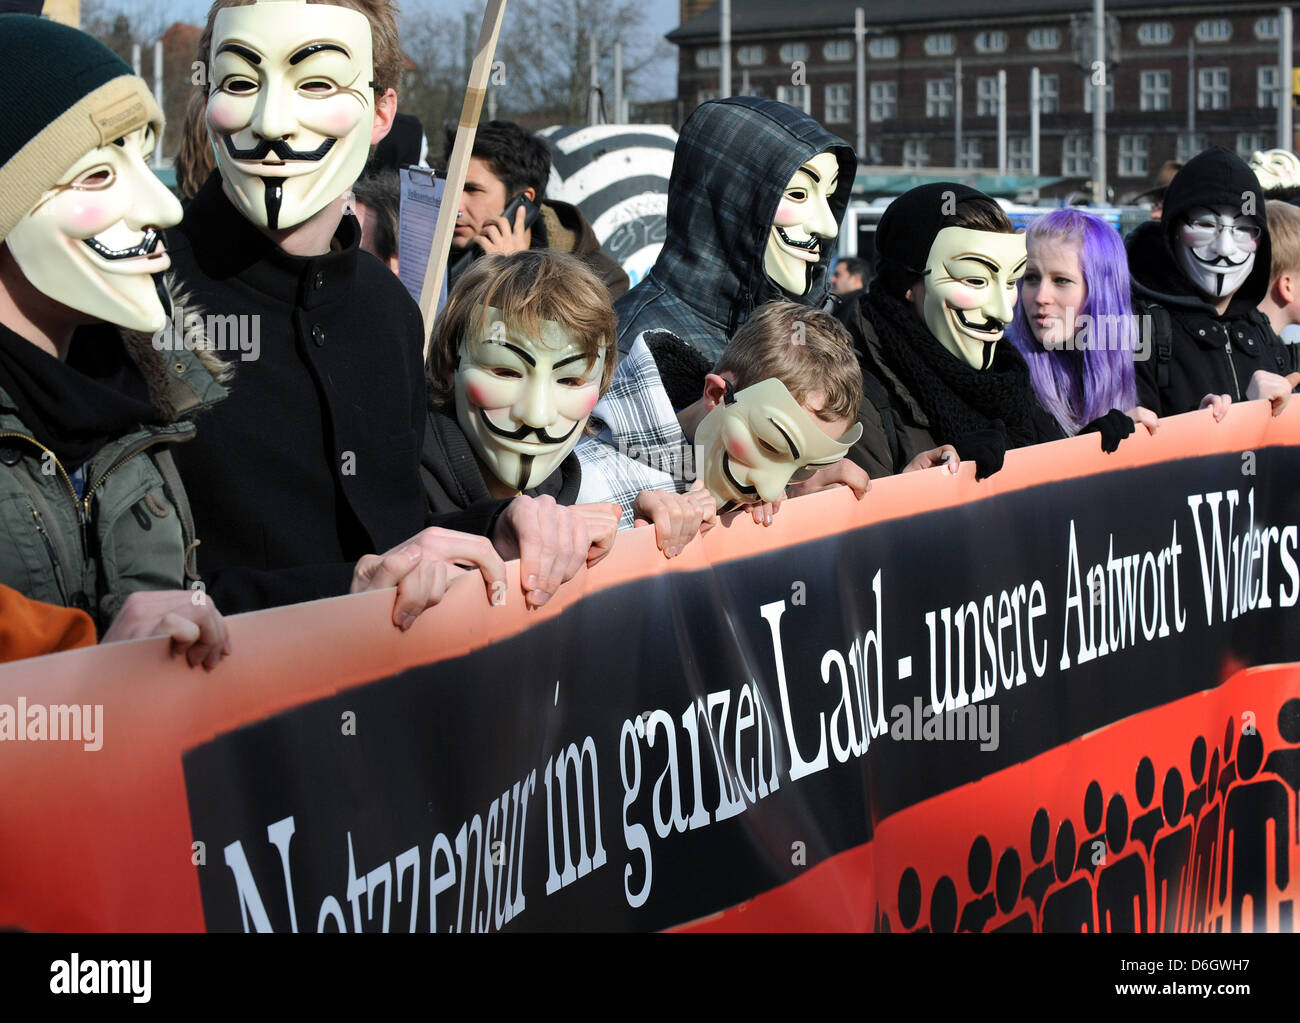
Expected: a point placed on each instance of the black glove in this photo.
(986, 448)
(1114, 426)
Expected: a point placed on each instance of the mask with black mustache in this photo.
(970, 290)
(1220, 264)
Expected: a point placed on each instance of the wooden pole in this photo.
(458, 165)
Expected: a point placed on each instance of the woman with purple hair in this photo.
(1074, 323)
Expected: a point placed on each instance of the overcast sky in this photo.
(661, 17)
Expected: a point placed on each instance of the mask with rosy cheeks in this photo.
(760, 439)
(1216, 248)
(803, 221)
(970, 290)
(523, 401)
(292, 106)
(93, 241)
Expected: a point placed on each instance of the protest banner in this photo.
(1065, 697)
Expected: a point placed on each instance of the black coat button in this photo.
(318, 335)
(318, 281)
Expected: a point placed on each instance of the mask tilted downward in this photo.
(750, 446)
(523, 400)
(970, 290)
(93, 241)
(291, 108)
(803, 224)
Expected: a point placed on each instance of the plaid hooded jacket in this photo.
(733, 160)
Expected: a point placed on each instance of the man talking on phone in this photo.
(503, 207)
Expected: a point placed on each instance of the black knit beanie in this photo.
(907, 230)
(63, 93)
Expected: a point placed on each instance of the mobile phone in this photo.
(530, 218)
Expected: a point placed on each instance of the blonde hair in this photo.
(527, 287)
(1284, 232)
(806, 349)
(382, 15)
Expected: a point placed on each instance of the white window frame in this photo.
(1213, 30)
(796, 96)
(940, 44)
(986, 96)
(1155, 33)
(1267, 87)
(938, 97)
(1267, 29)
(790, 52)
(991, 41)
(837, 50)
(1087, 94)
(1134, 152)
(1076, 156)
(838, 99)
(1188, 146)
(1250, 142)
(708, 58)
(1049, 94)
(1211, 84)
(882, 47)
(1020, 155)
(971, 154)
(1046, 37)
(916, 153)
(1156, 89)
(751, 55)
(883, 101)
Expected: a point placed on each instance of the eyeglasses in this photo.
(1205, 229)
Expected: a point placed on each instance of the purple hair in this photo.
(1080, 384)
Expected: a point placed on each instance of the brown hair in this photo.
(527, 287)
(1284, 230)
(382, 15)
(806, 349)
(980, 214)
(194, 159)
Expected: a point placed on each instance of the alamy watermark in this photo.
(919, 723)
(233, 332)
(1110, 333)
(59, 722)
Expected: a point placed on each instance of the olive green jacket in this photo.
(132, 529)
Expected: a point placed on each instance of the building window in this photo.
(986, 96)
(1020, 157)
(1188, 146)
(882, 47)
(708, 58)
(1266, 90)
(1251, 142)
(875, 153)
(795, 95)
(991, 42)
(938, 97)
(1089, 89)
(1155, 33)
(1049, 94)
(839, 103)
(1267, 28)
(1212, 88)
(791, 52)
(971, 153)
(1076, 156)
(1044, 38)
(916, 153)
(884, 100)
(941, 44)
(1213, 30)
(838, 49)
(748, 56)
(1156, 90)
(1132, 156)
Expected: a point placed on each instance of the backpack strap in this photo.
(1163, 329)
(176, 492)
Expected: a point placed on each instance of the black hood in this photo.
(1215, 177)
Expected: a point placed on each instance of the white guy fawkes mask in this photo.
(523, 401)
(970, 289)
(803, 219)
(292, 106)
(757, 440)
(94, 243)
(1216, 248)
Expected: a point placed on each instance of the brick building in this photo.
(806, 55)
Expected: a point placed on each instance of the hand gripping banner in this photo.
(1063, 698)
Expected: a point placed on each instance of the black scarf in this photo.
(956, 397)
(75, 407)
(453, 479)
